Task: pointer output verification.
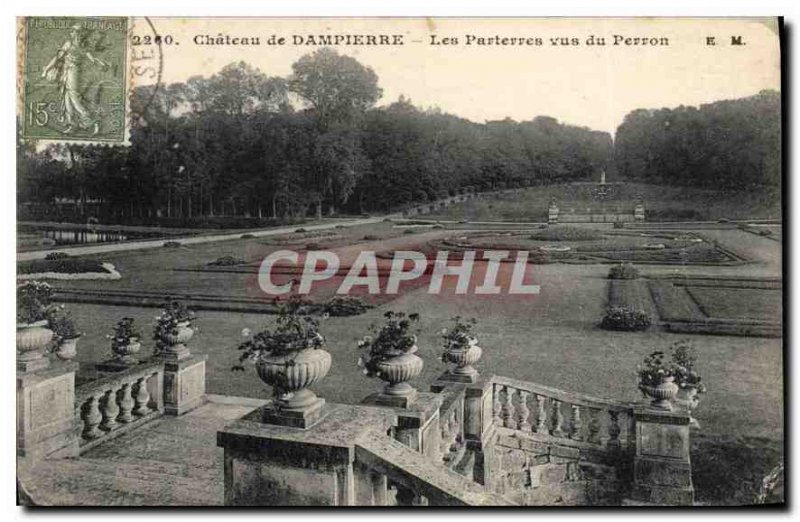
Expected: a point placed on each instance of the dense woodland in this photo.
(242, 143)
(730, 144)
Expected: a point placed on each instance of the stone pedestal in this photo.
(184, 382)
(296, 418)
(268, 465)
(662, 465)
(418, 423)
(638, 213)
(464, 378)
(552, 215)
(32, 365)
(46, 412)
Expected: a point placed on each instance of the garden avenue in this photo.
(364, 272)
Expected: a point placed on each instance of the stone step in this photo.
(89, 482)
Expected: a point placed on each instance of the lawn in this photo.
(550, 338)
(662, 203)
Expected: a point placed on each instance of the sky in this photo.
(586, 85)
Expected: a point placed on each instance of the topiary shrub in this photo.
(409, 231)
(227, 261)
(300, 230)
(54, 256)
(342, 306)
(313, 246)
(438, 227)
(370, 237)
(619, 224)
(626, 319)
(172, 244)
(247, 236)
(765, 232)
(623, 271)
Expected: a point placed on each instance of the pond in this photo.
(33, 236)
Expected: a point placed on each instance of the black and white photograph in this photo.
(389, 262)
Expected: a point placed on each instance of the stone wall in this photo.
(535, 472)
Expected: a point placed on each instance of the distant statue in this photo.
(602, 177)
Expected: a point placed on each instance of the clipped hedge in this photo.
(626, 319)
(227, 261)
(69, 265)
(623, 271)
(342, 306)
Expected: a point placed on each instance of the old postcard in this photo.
(399, 262)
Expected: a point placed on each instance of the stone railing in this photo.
(415, 476)
(116, 402)
(561, 416)
(452, 446)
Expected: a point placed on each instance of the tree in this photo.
(337, 88)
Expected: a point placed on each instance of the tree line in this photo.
(730, 145)
(242, 143)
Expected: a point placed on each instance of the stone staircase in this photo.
(167, 462)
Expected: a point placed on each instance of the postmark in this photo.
(75, 79)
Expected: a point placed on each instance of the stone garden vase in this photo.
(464, 359)
(397, 370)
(294, 374)
(67, 349)
(32, 339)
(688, 397)
(183, 333)
(125, 352)
(175, 342)
(662, 394)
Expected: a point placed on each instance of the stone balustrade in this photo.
(114, 403)
(415, 477)
(557, 414)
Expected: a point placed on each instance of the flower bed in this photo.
(567, 233)
(66, 269)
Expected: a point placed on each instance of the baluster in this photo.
(613, 430)
(558, 420)
(110, 411)
(92, 418)
(594, 426)
(497, 406)
(142, 398)
(524, 412)
(509, 419)
(125, 404)
(541, 415)
(575, 423)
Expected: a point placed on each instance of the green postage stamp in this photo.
(75, 79)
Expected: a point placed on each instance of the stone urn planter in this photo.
(464, 359)
(294, 374)
(174, 342)
(397, 369)
(67, 349)
(688, 396)
(124, 352)
(662, 394)
(183, 333)
(32, 339)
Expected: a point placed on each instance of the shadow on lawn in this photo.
(728, 471)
